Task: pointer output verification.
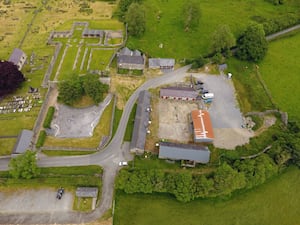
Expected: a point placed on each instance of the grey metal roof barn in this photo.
(141, 122)
(23, 142)
(18, 57)
(178, 93)
(128, 59)
(87, 192)
(173, 151)
(158, 63)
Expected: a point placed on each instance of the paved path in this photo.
(108, 159)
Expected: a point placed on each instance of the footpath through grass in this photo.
(275, 203)
(280, 71)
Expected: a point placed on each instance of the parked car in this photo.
(122, 163)
(60, 193)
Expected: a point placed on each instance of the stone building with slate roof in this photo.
(163, 64)
(132, 60)
(141, 123)
(179, 93)
(18, 57)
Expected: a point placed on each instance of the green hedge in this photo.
(49, 117)
(41, 139)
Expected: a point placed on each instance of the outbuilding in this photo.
(186, 152)
(23, 142)
(202, 126)
(161, 63)
(179, 93)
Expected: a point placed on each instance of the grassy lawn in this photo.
(82, 204)
(271, 203)
(251, 95)
(100, 59)
(102, 129)
(179, 44)
(117, 117)
(130, 124)
(280, 71)
(7, 145)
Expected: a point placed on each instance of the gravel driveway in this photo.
(35, 201)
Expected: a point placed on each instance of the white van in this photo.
(208, 96)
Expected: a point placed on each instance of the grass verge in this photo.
(130, 124)
(65, 153)
(6, 145)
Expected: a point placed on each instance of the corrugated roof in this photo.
(16, 56)
(142, 117)
(158, 62)
(91, 192)
(23, 142)
(168, 150)
(202, 125)
(179, 92)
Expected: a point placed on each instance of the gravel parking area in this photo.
(224, 111)
(75, 123)
(35, 201)
(173, 119)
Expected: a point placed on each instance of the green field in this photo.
(179, 44)
(272, 203)
(280, 71)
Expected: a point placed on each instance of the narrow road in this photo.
(108, 159)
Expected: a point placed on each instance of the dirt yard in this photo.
(173, 119)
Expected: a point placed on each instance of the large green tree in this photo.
(191, 14)
(222, 40)
(70, 91)
(94, 88)
(24, 166)
(252, 44)
(136, 20)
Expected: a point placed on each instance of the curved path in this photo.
(108, 159)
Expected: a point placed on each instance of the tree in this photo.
(222, 40)
(136, 20)
(94, 88)
(191, 14)
(123, 6)
(70, 91)
(24, 166)
(10, 78)
(252, 44)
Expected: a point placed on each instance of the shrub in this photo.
(49, 117)
(41, 139)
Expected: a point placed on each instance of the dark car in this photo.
(60, 193)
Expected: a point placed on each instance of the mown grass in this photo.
(271, 203)
(100, 59)
(117, 118)
(82, 204)
(280, 71)
(101, 130)
(177, 43)
(7, 145)
(130, 124)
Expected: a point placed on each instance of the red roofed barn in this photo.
(202, 127)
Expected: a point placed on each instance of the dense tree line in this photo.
(123, 7)
(10, 78)
(232, 175)
(72, 90)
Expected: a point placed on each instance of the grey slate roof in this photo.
(92, 32)
(168, 150)
(130, 57)
(23, 142)
(91, 192)
(142, 117)
(16, 56)
(158, 62)
(179, 92)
